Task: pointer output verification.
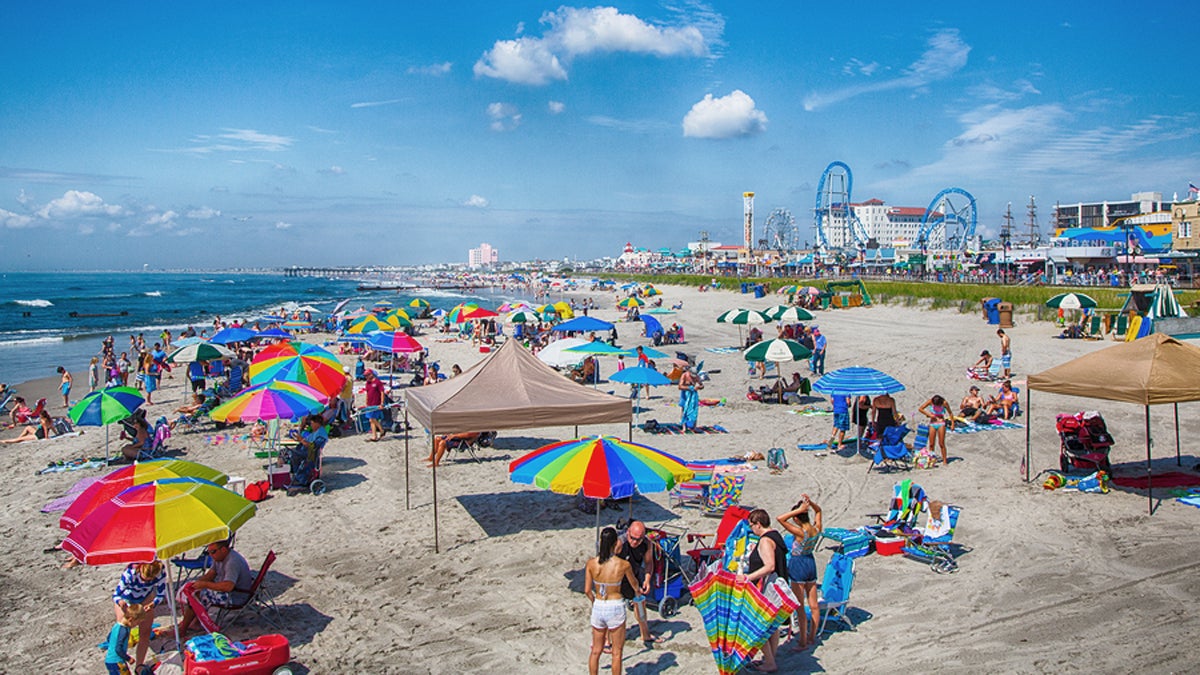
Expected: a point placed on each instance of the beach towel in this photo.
(213, 647)
(722, 350)
(825, 445)
(675, 428)
(66, 500)
(973, 428)
(1170, 479)
(1190, 501)
(73, 465)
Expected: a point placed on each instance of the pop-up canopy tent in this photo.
(1152, 370)
(510, 389)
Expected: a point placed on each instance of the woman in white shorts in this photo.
(602, 585)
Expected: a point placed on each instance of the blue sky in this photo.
(264, 133)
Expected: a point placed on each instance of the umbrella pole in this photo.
(1028, 417)
(406, 435)
(599, 507)
(1178, 460)
(105, 445)
(1149, 469)
(433, 453)
(171, 604)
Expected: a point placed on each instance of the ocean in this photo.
(43, 322)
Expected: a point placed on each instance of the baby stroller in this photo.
(1085, 442)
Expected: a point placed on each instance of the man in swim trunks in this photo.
(1005, 354)
(65, 386)
(972, 405)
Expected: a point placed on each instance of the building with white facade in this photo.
(483, 256)
(1106, 213)
(895, 226)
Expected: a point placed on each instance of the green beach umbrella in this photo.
(1071, 301)
(200, 351)
(419, 303)
(785, 314)
(102, 408)
(744, 317)
(777, 350)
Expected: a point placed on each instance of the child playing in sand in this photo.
(117, 658)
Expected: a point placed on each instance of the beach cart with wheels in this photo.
(673, 571)
(264, 655)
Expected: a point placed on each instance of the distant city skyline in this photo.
(269, 134)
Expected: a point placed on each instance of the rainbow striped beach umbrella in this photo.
(739, 618)
(105, 406)
(158, 520)
(299, 362)
(126, 477)
(601, 466)
(277, 399)
(454, 316)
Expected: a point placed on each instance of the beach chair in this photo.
(836, 584)
(156, 444)
(258, 600)
(1121, 327)
(1095, 328)
(705, 552)
(890, 451)
(932, 542)
(724, 491)
(908, 500)
(693, 492)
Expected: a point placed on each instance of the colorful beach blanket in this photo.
(972, 428)
(723, 350)
(825, 446)
(674, 428)
(807, 412)
(1190, 501)
(73, 465)
(1170, 479)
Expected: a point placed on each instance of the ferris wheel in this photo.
(780, 232)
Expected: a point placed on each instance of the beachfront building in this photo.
(484, 256)
(1183, 262)
(895, 226)
(1138, 226)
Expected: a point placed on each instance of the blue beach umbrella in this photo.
(857, 381)
(652, 325)
(273, 334)
(231, 334)
(650, 352)
(583, 324)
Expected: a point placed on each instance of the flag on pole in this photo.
(1192, 188)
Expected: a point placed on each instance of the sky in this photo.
(224, 134)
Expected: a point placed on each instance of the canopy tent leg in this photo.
(1028, 424)
(432, 453)
(406, 435)
(1178, 459)
(1149, 469)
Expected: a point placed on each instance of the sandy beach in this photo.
(1052, 581)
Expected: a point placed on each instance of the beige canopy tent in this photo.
(1152, 370)
(510, 389)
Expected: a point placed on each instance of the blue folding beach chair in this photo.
(890, 450)
(836, 585)
(932, 545)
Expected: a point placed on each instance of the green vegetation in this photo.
(965, 297)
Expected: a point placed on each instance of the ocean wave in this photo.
(153, 294)
(25, 342)
(38, 302)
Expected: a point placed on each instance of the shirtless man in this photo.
(983, 367)
(1005, 354)
(65, 386)
(972, 405)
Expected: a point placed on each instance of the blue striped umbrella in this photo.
(231, 334)
(857, 381)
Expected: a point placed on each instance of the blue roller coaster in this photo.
(956, 220)
(832, 209)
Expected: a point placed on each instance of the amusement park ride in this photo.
(948, 224)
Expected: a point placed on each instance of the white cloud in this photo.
(373, 104)
(334, 170)
(203, 213)
(14, 220)
(725, 117)
(476, 201)
(22, 198)
(75, 203)
(858, 67)
(165, 219)
(239, 140)
(572, 32)
(945, 54)
(504, 116)
(281, 225)
(556, 107)
(643, 126)
(436, 69)
(86, 228)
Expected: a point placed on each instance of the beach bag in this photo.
(777, 459)
(257, 491)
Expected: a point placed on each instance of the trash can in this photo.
(759, 291)
(745, 287)
(992, 307)
(1004, 309)
(984, 303)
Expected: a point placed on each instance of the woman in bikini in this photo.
(43, 429)
(939, 418)
(602, 586)
(883, 413)
(802, 566)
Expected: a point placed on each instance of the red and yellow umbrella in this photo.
(476, 313)
(128, 476)
(459, 310)
(158, 520)
(299, 362)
